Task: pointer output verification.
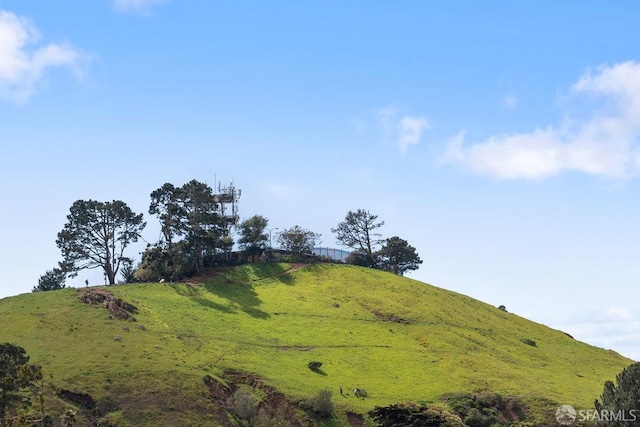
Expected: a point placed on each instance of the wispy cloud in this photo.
(604, 143)
(406, 130)
(135, 5)
(22, 67)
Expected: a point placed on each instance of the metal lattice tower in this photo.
(228, 197)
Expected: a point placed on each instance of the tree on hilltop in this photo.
(398, 256)
(357, 232)
(96, 235)
(51, 280)
(253, 234)
(202, 223)
(192, 229)
(165, 204)
(298, 240)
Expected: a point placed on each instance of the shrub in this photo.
(530, 342)
(321, 403)
(487, 409)
(412, 415)
(475, 418)
(271, 418)
(243, 404)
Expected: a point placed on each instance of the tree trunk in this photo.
(108, 271)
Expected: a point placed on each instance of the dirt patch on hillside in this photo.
(83, 399)
(294, 267)
(388, 317)
(273, 401)
(355, 420)
(117, 307)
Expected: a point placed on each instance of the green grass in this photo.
(264, 320)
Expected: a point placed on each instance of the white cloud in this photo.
(21, 68)
(135, 5)
(613, 327)
(606, 143)
(410, 131)
(387, 117)
(406, 130)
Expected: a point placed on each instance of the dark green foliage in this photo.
(360, 258)
(253, 236)
(51, 280)
(273, 418)
(298, 241)
(15, 375)
(192, 230)
(128, 270)
(412, 415)
(202, 223)
(96, 235)
(165, 204)
(623, 396)
(487, 409)
(314, 366)
(530, 342)
(244, 405)
(397, 256)
(502, 308)
(321, 403)
(158, 263)
(357, 231)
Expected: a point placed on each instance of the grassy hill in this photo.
(399, 339)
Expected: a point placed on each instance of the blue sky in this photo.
(502, 140)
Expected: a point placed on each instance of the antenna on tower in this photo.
(228, 197)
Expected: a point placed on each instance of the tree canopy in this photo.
(357, 232)
(15, 375)
(253, 234)
(398, 256)
(195, 233)
(51, 280)
(96, 235)
(298, 240)
(192, 230)
(623, 395)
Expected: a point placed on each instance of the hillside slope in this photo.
(399, 339)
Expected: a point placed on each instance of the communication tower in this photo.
(227, 197)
